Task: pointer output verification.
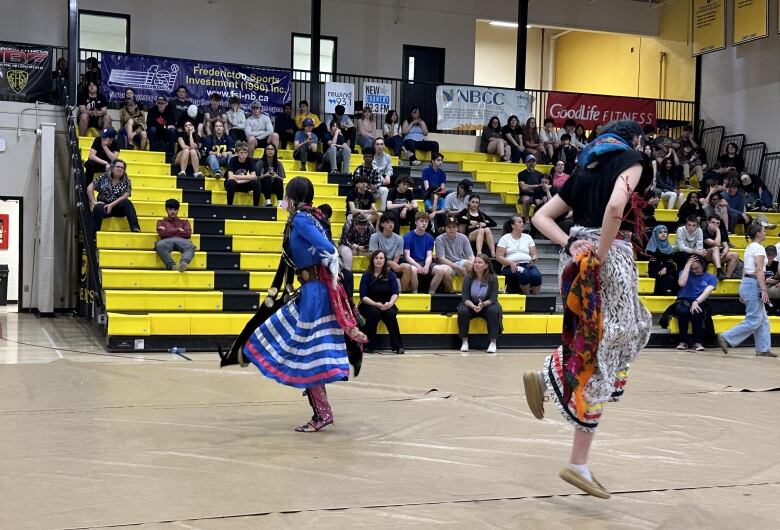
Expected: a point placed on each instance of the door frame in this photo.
(20, 273)
(413, 47)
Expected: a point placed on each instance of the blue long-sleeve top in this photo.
(308, 243)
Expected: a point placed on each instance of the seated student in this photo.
(303, 114)
(434, 181)
(690, 161)
(717, 245)
(236, 120)
(695, 286)
(391, 131)
(212, 112)
(367, 130)
(772, 275)
(690, 207)
(546, 191)
(368, 171)
(346, 126)
(93, 109)
(306, 144)
(759, 198)
(180, 104)
(391, 244)
(241, 175)
(361, 201)
(113, 197)
(559, 176)
(270, 173)
(161, 126)
(383, 172)
(258, 129)
(327, 213)
(513, 134)
(401, 205)
(188, 156)
(103, 151)
(174, 234)
(418, 252)
(531, 141)
(736, 205)
(689, 241)
(516, 251)
(666, 181)
(218, 148)
(355, 236)
(476, 225)
(415, 132)
(378, 295)
(454, 256)
(337, 149)
(661, 265)
(714, 204)
(567, 154)
(479, 299)
(454, 203)
(579, 138)
(493, 142)
(131, 116)
(527, 181)
(284, 126)
(731, 160)
(549, 138)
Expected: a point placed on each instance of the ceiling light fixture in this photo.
(503, 24)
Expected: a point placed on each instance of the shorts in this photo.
(262, 143)
(459, 263)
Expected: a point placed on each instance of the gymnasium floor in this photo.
(427, 440)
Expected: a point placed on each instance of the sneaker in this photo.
(682, 346)
(218, 175)
(267, 203)
(723, 344)
(492, 348)
(721, 276)
(303, 167)
(698, 347)
(182, 173)
(465, 346)
(416, 162)
(198, 175)
(765, 354)
(182, 266)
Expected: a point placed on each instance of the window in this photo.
(104, 32)
(301, 57)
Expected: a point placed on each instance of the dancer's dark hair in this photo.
(300, 191)
(626, 129)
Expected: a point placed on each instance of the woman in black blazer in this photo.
(479, 299)
(378, 297)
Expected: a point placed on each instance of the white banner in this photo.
(469, 108)
(378, 96)
(339, 94)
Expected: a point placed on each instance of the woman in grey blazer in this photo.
(479, 299)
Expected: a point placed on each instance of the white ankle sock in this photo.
(582, 469)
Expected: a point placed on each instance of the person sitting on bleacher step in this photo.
(418, 252)
(696, 284)
(161, 126)
(174, 234)
(401, 205)
(360, 200)
(270, 173)
(305, 145)
(354, 240)
(434, 181)
(113, 199)
(190, 144)
(390, 243)
(241, 175)
(516, 251)
(336, 149)
(718, 247)
(103, 151)
(383, 176)
(527, 181)
(454, 256)
(218, 148)
(661, 265)
(689, 241)
(258, 129)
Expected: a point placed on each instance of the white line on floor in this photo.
(59, 353)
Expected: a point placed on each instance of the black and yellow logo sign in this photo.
(17, 79)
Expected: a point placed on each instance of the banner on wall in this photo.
(4, 225)
(151, 76)
(339, 94)
(468, 108)
(709, 26)
(750, 20)
(378, 96)
(25, 70)
(590, 110)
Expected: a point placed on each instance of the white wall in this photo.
(19, 178)
(10, 256)
(371, 33)
(495, 53)
(740, 87)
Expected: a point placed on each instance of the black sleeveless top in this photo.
(588, 190)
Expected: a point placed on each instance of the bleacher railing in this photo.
(91, 302)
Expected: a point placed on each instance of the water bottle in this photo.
(177, 350)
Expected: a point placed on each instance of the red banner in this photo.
(590, 110)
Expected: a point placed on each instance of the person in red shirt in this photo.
(174, 235)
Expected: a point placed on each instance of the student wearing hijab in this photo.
(662, 266)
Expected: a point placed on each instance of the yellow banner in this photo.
(750, 20)
(709, 25)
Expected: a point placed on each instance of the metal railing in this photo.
(710, 141)
(770, 173)
(738, 139)
(754, 156)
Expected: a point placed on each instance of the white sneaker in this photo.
(268, 203)
(182, 173)
(464, 346)
(492, 348)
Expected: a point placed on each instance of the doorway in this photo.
(10, 254)
(423, 70)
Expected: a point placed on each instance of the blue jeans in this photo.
(395, 143)
(215, 161)
(756, 322)
(163, 138)
(529, 276)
